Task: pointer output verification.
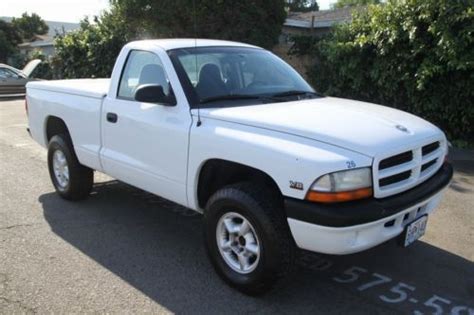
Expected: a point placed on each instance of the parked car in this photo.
(13, 81)
(232, 131)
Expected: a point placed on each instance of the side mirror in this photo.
(152, 93)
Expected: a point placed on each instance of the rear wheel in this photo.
(247, 238)
(71, 180)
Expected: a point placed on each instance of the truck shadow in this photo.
(156, 247)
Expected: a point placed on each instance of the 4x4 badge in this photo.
(296, 185)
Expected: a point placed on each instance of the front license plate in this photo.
(415, 230)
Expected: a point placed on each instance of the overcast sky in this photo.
(69, 10)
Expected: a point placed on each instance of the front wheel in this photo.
(247, 238)
(71, 180)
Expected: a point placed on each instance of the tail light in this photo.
(26, 106)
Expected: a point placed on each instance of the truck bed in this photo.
(78, 104)
(95, 88)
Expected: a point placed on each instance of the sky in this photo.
(70, 10)
(54, 10)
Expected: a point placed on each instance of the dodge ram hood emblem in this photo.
(401, 128)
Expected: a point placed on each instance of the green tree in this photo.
(9, 39)
(302, 5)
(416, 55)
(352, 3)
(91, 50)
(30, 25)
(251, 21)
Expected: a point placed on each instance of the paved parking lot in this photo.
(124, 251)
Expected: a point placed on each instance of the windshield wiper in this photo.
(228, 97)
(295, 93)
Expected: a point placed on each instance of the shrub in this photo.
(91, 50)
(415, 55)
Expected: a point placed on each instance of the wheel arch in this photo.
(53, 126)
(216, 173)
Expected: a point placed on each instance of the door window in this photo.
(142, 67)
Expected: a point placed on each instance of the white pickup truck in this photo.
(233, 132)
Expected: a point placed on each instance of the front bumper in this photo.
(351, 227)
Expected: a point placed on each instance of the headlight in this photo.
(342, 186)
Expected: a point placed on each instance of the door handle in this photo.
(112, 117)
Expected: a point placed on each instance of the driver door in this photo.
(145, 144)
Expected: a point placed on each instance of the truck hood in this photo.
(366, 128)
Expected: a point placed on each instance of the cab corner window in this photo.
(141, 68)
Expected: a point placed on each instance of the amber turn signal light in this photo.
(329, 197)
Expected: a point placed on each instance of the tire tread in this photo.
(271, 204)
(81, 178)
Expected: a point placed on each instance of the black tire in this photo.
(81, 178)
(265, 213)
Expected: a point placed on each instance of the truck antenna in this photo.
(198, 123)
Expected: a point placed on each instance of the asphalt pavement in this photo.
(126, 251)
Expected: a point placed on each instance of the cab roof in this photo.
(175, 43)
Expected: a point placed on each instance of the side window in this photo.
(142, 67)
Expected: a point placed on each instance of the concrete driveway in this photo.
(126, 251)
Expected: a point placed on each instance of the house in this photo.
(45, 43)
(42, 43)
(314, 23)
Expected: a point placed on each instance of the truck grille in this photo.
(396, 160)
(401, 171)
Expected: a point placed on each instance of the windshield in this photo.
(236, 75)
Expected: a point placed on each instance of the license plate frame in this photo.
(414, 230)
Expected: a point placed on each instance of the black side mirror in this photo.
(153, 93)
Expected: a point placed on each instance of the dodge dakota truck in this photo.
(232, 131)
